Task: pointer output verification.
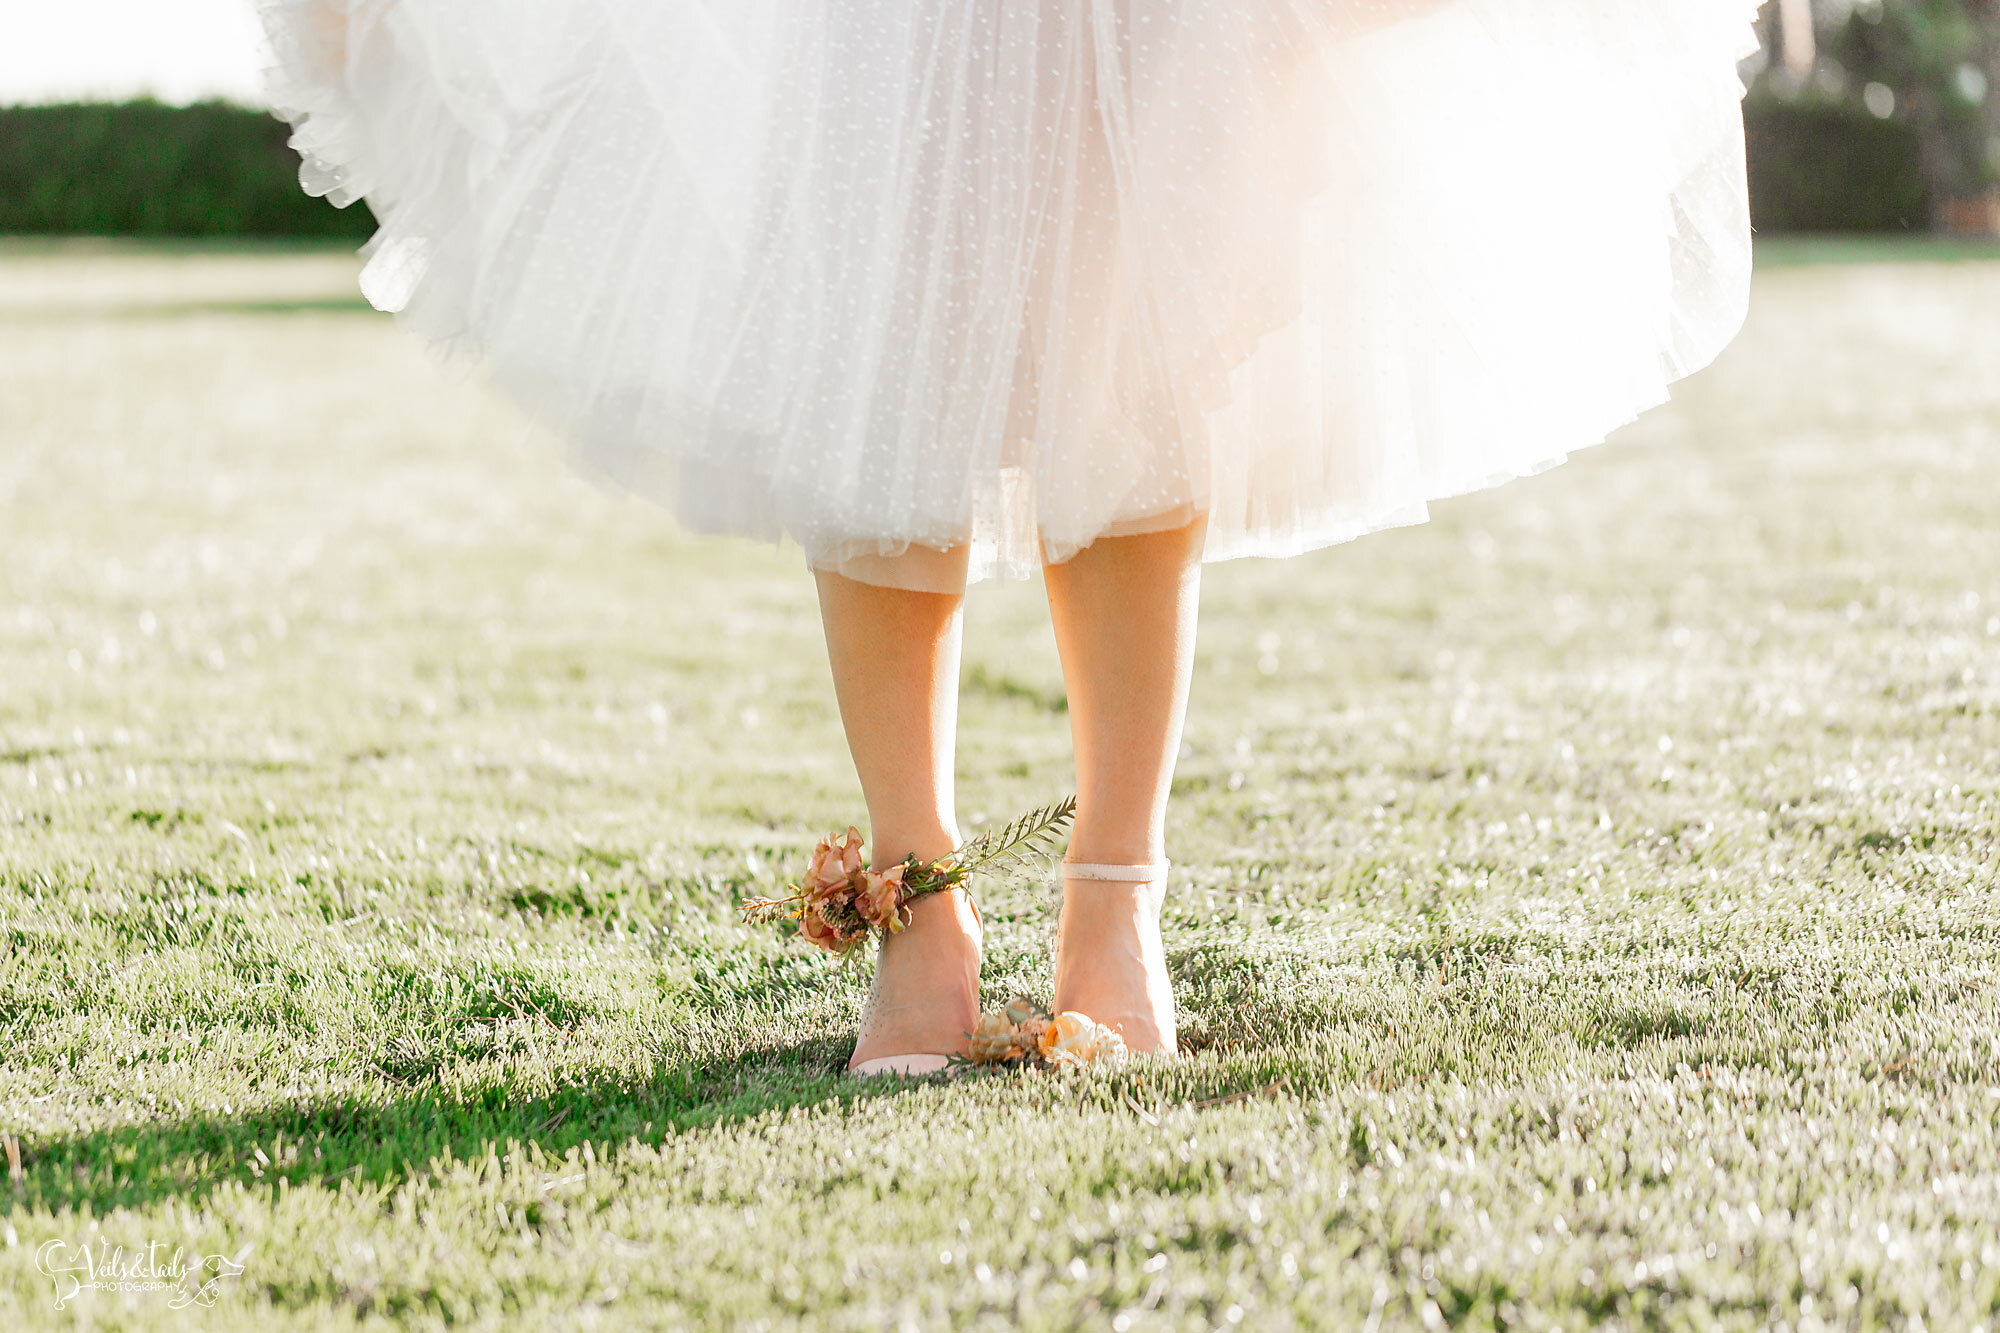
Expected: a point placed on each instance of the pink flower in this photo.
(880, 901)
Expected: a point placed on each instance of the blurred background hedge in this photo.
(214, 169)
(1863, 116)
(147, 169)
(1827, 165)
(1874, 115)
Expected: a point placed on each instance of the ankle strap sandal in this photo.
(1089, 886)
(1138, 874)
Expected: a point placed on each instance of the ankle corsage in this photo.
(842, 901)
(1024, 1033)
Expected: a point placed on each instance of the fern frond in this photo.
(1027, 838)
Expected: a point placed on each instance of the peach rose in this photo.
(835, 864)
(1076, 1039)
(880, 900)
(994, 1039)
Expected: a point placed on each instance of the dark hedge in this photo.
(146, 169)
(215, 169)
(1827, 166)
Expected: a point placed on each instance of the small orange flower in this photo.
(1072, 1038)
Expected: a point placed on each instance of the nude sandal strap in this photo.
(1124, 874)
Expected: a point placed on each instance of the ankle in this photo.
(951, 910)
(1090, 906)
(890, 843)
(1142, 848)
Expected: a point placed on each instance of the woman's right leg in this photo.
(895, 656)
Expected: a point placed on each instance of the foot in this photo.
(926, 992)
(1111, 963)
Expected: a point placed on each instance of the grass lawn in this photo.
(1785, 251)
(1588, 903)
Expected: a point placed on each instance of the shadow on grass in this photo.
(384, 1142)
(418, 1113)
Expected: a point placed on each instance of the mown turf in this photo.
(1587, 908)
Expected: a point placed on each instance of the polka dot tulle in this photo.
(948, 288)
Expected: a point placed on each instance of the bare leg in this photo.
(1124, 613)
(895, 657)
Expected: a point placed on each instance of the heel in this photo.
(917, 1064)
(1137, 960)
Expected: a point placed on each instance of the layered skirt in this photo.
(939, 289)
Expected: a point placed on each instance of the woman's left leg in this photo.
(1124, 611)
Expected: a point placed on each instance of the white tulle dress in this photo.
(947, 288)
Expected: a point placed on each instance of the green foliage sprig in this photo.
(841, 900)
